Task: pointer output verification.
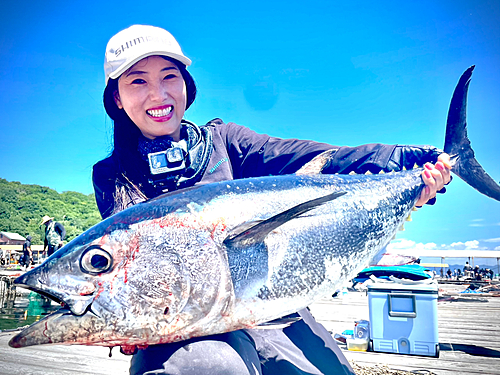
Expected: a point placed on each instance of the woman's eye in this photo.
(138, 81)
(170, 76)
(96, 260)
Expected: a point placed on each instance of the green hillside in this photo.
(23, 206)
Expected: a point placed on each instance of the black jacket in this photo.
(239, 152)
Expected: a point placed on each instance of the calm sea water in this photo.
(20, 308)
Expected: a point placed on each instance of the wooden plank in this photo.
(60, 360)
(469, 323)
(456, 362)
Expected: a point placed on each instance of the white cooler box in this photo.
(403, 318)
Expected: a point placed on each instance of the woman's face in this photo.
(153, 94)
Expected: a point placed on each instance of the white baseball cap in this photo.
(137, 42)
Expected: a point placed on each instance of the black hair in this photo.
(125, 132)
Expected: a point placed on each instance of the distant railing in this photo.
(10, 254)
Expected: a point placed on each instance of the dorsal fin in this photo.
(258, 232)
(316, 165)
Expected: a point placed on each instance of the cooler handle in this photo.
(402, 314)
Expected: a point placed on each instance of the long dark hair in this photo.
(125, 132)
(129, 188)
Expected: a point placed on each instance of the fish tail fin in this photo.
(457, 143)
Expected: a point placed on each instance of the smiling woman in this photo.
(153, 94)
(148, 89)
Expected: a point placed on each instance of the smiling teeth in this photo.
(159, 112)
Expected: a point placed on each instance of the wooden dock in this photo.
(469, 336)
(60, 360)
(469, 332)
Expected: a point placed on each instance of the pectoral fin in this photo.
(246, 235)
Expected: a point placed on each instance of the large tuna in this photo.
(229, 255)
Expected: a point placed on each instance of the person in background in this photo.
(54, 235)
(148, 89)
(477, 274)
(27, 257)
(490, 273)
(467, 270)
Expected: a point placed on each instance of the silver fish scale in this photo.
(314, 254)
(175, 277)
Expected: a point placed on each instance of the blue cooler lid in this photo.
(424, 287)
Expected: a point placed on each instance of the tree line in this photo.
(23, 206)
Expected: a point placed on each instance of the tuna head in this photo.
(127, 286)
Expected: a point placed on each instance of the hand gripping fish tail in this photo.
(230, 255)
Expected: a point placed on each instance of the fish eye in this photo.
(95, 260)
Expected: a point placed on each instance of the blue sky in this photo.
(344, 73)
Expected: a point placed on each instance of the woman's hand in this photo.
(435, 176)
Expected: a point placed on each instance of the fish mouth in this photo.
(64, 305)
(35, 334)
(43, 293)
(61, 326)
(64, 327)
(78, 301)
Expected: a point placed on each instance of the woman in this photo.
(147, 92)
